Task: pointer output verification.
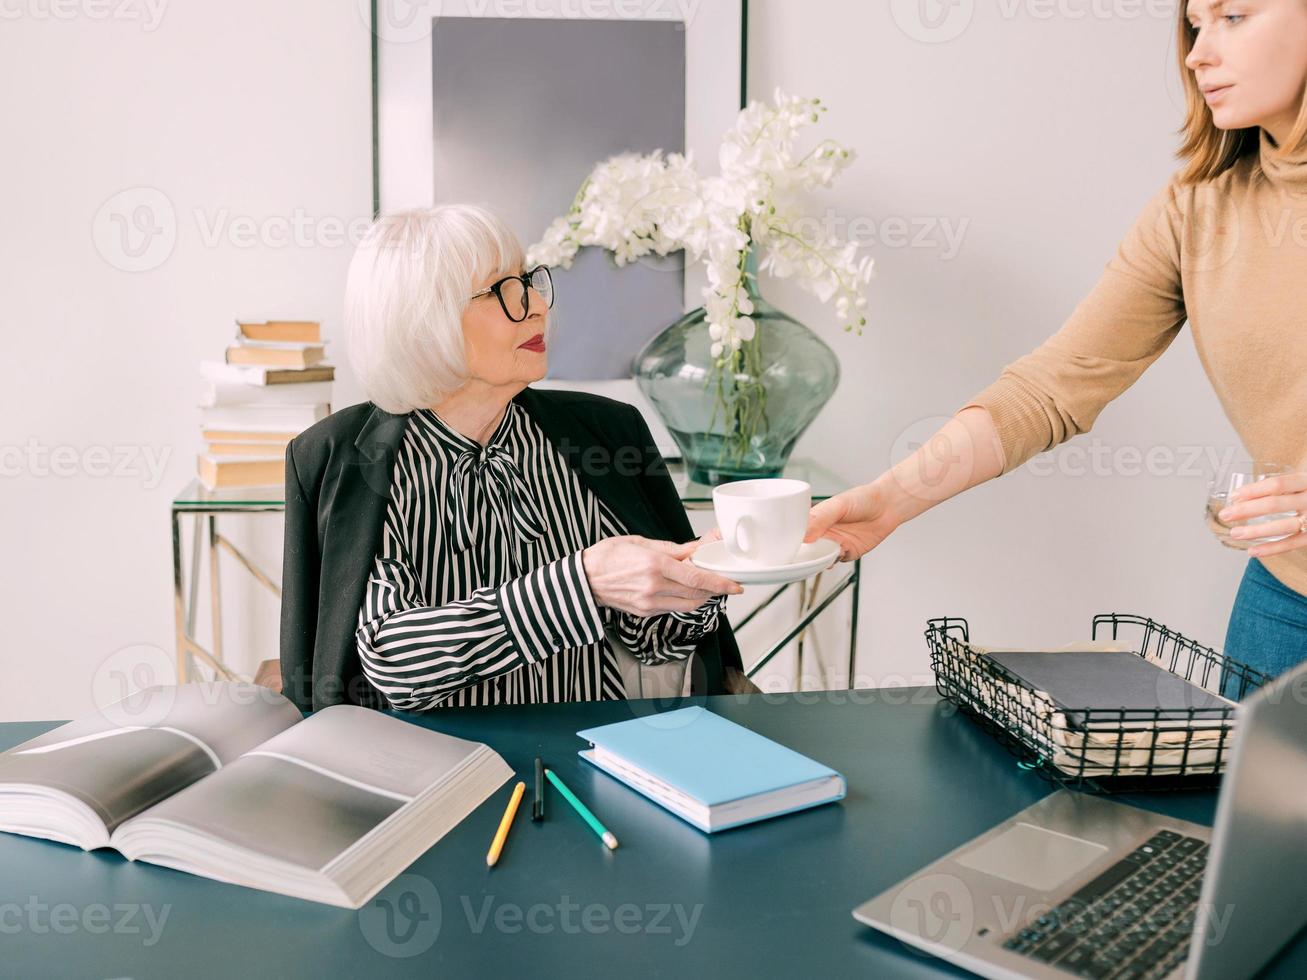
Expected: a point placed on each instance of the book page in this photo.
(130, 755)
(272, 808)
(371, 749)
(310, 793)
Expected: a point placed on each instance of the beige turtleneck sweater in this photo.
(1228, 255)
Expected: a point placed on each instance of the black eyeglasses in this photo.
(514, 292)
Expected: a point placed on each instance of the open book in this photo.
(228, 781)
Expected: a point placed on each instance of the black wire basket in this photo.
(1108, 750)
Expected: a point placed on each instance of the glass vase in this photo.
(741, 421)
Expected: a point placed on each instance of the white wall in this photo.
(1046, 136)
(237, 110)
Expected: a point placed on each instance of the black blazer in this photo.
(338, 479)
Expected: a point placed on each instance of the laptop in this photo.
(1079, 885)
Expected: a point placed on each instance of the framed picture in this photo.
(511, 103)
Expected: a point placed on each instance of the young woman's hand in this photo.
(1275, 495)
(964, 453)
(647, 578)
(857, 520)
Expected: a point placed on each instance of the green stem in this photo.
(744, 403)
(806, 156)
(789, 234)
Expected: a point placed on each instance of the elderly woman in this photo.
(462, 538)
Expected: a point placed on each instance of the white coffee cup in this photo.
(763, 522)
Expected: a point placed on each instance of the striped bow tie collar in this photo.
(493, 473)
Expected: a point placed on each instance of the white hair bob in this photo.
(405, 294)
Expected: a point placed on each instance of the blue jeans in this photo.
(1268, 625)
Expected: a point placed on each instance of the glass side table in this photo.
(200, 503)
(204, 506)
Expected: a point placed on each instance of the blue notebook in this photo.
(710, 771)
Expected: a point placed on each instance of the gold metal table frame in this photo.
(204, 506)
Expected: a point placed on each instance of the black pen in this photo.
(538, 804)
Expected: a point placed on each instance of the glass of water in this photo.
(1230, 478)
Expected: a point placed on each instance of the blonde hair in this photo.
(1208, 151)
(405, 294)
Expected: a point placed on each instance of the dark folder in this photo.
(1095, 680)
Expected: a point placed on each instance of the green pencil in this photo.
(605, 834)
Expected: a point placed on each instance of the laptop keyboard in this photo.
(1132, 922)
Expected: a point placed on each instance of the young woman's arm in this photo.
(966, 452)
(1046, 397)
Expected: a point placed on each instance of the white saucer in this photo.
(811, 559)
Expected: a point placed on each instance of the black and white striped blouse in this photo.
(478, 594)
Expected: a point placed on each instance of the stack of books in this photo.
(272, 385)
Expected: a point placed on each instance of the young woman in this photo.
(1221, 247)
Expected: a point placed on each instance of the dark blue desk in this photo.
(769, 900)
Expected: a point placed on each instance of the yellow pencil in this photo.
(501, 834)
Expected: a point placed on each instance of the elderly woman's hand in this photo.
(646, 578)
